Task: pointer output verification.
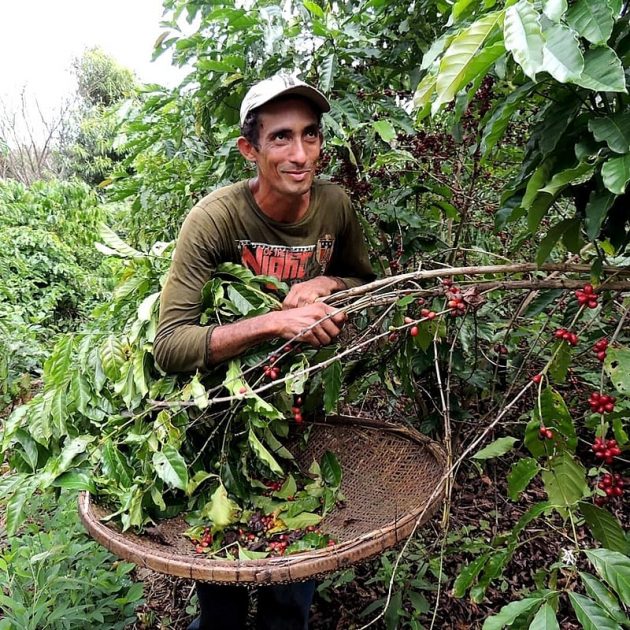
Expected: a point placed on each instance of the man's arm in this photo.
(316, 324)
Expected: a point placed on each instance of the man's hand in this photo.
(305, 293)
(316, 324)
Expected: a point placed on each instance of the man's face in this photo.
(289, 146)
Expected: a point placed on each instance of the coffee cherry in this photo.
(545, 434)
(566, 335)
(242, 390)
(586, 296)
(601, 403)
(537, 378)
(272, 373)
(606, 450)
(413, 331)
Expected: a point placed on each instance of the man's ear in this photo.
(246, 149)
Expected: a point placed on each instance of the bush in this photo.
(53, 575)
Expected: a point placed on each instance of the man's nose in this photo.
(298, 151)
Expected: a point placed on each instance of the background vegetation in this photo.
(467, 134)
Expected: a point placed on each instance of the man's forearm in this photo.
(230, 340)
(315, 324)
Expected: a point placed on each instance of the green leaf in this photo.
(545, 619)
(115, 465)
(562, 57)
(331, 378)
(171, 467)
(242, 299)
(499, 447)
(616, 173)
(565, 482)
(237, 271)
(81, 393)
(569, 176)
(115, 245)
(617, 366)
(613, 130)
(541, 302)
(572, 238)
(465, 57)
(58, 465)
(492, 570)
(460, 8)
(539, 207)
(424, 92)
(112, 357)
(247, 554)
(522, 472)
(313, 8)
(605, 528)
(560, 364)
(554, 9)
(327, 73)
(604, 598)
(75, 480)
(296, 377)
(146, 308)
(592, 19)
(536, 181)
(523, 37)
(29, 447)
(621, 435)
(468, 574)
(263, 454)
(276, 446)
(589, 614)
(510, 612)
(199, 394)
(330, 468)
(234, 380)
(305, 519)
(530, 515)
(603, 71)
(599, 203)
(288, 489)
(14, 509)
(501, 116)
(614, 567)
(220, 510)
(551, 239)
(385, 129)
(305, 504)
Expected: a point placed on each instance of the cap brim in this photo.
(305, 91)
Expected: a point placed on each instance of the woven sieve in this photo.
(389, 474)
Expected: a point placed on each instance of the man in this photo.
(284, 223)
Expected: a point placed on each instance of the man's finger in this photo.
(330, 328)
(322, 336)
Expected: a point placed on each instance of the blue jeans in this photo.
(280, 607)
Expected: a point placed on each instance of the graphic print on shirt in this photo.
(289, 264)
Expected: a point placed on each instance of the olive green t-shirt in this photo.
(228, 226)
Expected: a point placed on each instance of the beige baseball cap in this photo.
(281, 85)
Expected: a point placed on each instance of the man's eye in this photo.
(280, 136)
